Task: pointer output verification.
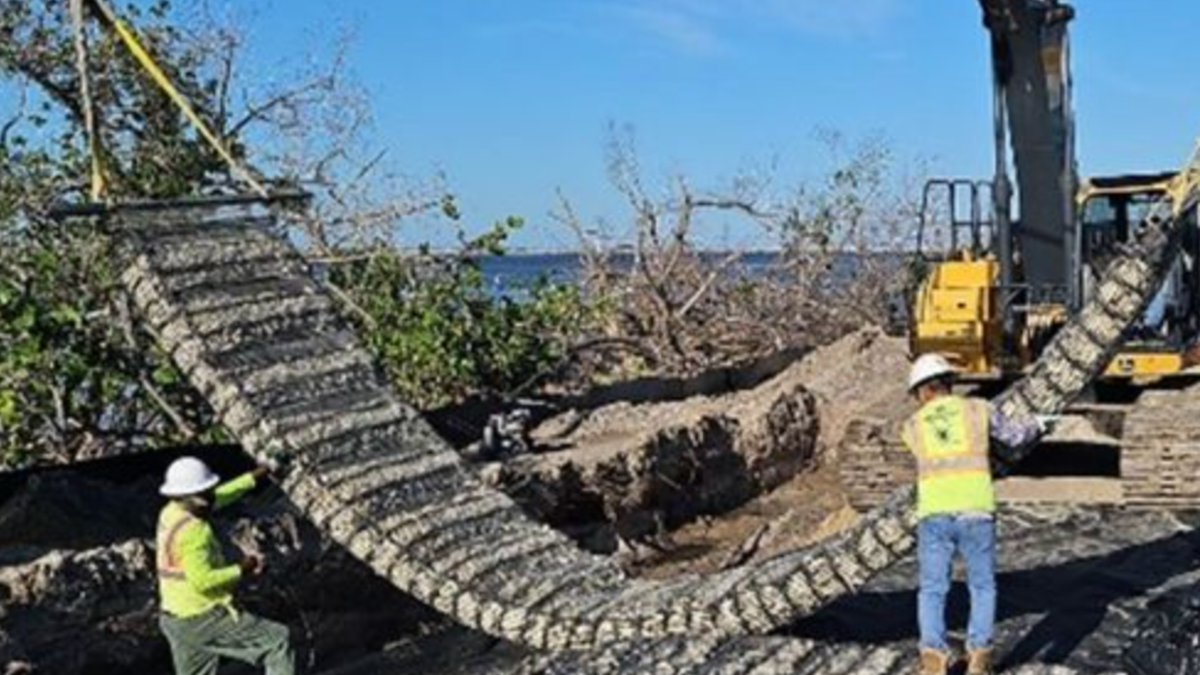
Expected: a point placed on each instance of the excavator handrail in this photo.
(975, 222)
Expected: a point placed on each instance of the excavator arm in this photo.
(1031, 70)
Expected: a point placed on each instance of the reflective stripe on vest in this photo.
(949, 438)
(949, 466)
(169, 566)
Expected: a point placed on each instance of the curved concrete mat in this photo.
(239, 312)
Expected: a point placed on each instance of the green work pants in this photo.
(198, 643)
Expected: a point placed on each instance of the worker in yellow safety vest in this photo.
(196, 584)
(950, 437)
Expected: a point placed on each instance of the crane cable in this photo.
(129, 38)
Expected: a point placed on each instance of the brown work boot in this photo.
(979, 662)
(934, 662)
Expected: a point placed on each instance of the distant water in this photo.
(514, 275)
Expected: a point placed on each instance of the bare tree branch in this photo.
(261, 111)
(707, 285)
(702, 312)
(177, 418)
(17, 117)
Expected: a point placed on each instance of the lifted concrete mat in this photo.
(239, 312)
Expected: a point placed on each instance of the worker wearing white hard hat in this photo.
(188, 476)
(950, 436)
(196, 584)
(929, 367)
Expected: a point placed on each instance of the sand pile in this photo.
(863, 374)
(641, 469)
(860, 376)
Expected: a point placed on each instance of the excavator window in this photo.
(1107, 222)
(1111, 219)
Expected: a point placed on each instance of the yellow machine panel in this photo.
(956, 314)
(1146, 365)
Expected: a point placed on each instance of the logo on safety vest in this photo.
(941, 421)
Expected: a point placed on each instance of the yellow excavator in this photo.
(998, 287)
(992, 284)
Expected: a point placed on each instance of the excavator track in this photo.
(241, 316)
(1160, 453)
(873, 463)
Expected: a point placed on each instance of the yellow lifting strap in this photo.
(99, 185)
(130, 39)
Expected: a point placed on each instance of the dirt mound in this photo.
(644, 468)
(863, 374)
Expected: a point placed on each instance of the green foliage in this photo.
(69, 373)
(441, 333)
(76, 376)
(149, 149)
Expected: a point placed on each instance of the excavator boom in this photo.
(1030, 58)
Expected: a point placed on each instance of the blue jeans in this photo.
(938, 539)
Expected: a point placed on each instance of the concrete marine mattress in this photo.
(241, 314)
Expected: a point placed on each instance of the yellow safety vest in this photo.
(193, 575)
(949, 437)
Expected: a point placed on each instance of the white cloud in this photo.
(527, 27)
(676, 23)
(844, 19)
(702, 26)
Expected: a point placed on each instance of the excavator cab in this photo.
(1110, 211)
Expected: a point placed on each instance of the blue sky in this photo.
(512, 99)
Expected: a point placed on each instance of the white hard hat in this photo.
(188, 476)
(929, 367)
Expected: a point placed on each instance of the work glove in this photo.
(1048, 423)
(252, 565)
(275, 466)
